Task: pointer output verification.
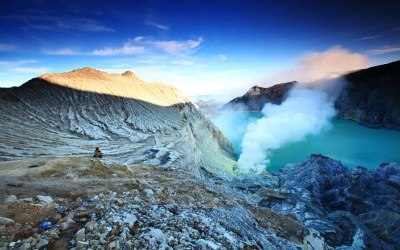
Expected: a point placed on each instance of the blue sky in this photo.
(202, 47)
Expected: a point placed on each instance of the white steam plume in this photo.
(306, 111)
(308, 108)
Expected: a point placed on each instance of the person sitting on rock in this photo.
(97, 153)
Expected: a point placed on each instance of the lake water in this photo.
(346, 141)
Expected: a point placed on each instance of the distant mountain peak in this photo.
(128, 74)
(256, 97)
(255, 90)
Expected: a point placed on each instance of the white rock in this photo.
(45, 199)
(157, 234)
(80, 235)
(114, 245)
(6, 221)
(208, 244)
(149, 192)
(130, 219)
(11, 198)
(81, 244)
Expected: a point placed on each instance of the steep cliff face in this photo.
(130, 120)
(256, 97)
(372, 97)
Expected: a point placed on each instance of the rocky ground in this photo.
(316, 204)
(92, 205)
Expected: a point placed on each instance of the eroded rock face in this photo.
(347, 206)
(372, 97)
(69, 114)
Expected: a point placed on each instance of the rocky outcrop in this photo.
(256, 97)
(69, 114)
(372, 97)
(352, 207)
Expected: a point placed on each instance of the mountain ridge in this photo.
(130, 120)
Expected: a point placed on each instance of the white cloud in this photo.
(137, 45)
(63, 51)
(138, 39)
(156, 25)
(368, 37)
(318, 65)
(126, 49)
(384, 50)
(10, 64)
(175, 47)
(222, 57)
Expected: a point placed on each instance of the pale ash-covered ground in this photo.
(69, 114)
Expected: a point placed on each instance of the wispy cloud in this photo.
(23, 67)
(384, 50)
(138, 45)
(126, 49)
(63, 51)
(175, 47)
(6, 47)
(156, 25)
(368, 37)
(222, 57)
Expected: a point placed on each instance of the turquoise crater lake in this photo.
(347, 141)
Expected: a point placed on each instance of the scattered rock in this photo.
(29, 199)
(42, 243)
(6, 221)
(81, 244)
(157, 234)
(114, 245)
(11, 198)
(25, 246)
(45, 199)
(80, 235)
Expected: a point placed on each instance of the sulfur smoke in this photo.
(307, 110)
